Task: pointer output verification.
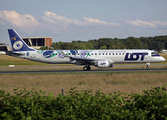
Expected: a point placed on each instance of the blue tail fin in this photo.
(17, 42)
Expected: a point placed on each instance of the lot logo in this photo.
(103, 63)
(135, 56)
(18, 45)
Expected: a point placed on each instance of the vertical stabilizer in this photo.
(17, 42)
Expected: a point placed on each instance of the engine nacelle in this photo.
(103, 64)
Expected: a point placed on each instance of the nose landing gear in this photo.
(147, 66)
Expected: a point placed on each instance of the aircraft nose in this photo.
(162, 59)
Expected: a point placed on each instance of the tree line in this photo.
(156, 43)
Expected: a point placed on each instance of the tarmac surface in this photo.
(75, 71)
(81, 70)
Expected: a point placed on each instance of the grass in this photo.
(6, 60)
(109, 82)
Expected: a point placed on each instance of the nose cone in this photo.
(162, 59)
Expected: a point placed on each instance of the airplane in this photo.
(97, 58)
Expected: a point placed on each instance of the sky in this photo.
(71, 20)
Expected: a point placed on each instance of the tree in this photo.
(104, 42)
(57, 45)
(88, 45)
(160, 46)
(133, 43)
(94, 43)
(67, 46)
(112, 45)
(145, 42)
(103, 47)
(82, 46)
(45, 48)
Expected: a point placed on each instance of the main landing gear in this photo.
(86, 67)
(147, 66)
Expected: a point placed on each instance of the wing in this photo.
(82, 60)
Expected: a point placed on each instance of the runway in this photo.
(81, 71)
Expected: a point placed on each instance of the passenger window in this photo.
(116, 53)
(106, 53)
(119, 53)
(122, 53)
(92, 53)
(109, 53)
(112, 53)
(95, 53)
(99, 53)
(103, 53)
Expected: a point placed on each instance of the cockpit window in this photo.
(154, 53)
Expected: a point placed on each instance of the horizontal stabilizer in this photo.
(11, 53)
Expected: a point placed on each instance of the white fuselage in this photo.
(98, 58)
(114, 56)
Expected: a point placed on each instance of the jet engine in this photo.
(103, 64)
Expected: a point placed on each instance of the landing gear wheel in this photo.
(86, 68)
(147, 68)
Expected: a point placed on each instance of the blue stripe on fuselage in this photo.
(155, 55)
